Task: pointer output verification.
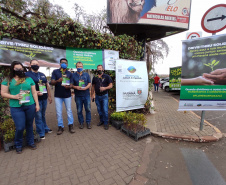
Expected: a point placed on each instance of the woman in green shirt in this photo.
(23, 103)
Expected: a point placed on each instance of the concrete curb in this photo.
(202, 139)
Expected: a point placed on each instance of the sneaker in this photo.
(60, 130)
(49, 131)
(42, 137)
(106, 127)
(89, 125)
(81, 126)
(71, 130)
(33, 147)
(18, 150)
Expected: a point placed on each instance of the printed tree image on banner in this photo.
(23, 51)
(203, 81)
(175, 78)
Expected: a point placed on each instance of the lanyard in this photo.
(38, 75)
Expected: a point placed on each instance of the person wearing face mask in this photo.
(23, 102)
(100, 85)
(81, 83)
(43, 92)
(62, 79)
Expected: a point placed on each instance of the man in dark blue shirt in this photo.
(81, 83)
(101, 84)
(62, 79)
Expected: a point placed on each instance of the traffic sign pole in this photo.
(213, 23)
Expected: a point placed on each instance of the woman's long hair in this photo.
(12, 72)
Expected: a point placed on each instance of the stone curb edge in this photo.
(203, 139)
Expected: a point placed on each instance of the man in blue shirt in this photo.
(81, 83)
(100, 85)
(62, 80)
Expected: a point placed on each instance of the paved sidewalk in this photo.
(95, 157)
(167, 122)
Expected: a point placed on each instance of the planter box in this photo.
(137, 135)
(11, 145)
(117, 124)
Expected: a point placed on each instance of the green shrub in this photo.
(118, 116)
(134, 121)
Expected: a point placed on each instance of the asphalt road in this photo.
(184, 163)
(173, 162)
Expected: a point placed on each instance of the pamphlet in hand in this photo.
(25, 96)
(81, 83)
(42, 89)
(66, 81)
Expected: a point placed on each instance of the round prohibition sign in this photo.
(214, 20)
(193, 35)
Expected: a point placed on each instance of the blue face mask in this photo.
(63, 65)
(79, 70)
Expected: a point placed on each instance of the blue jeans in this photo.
(59, 107)
(80, 101)
(40, 119)
(102, 108)
(23, 117)
(156, 87)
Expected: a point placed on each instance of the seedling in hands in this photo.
(212, 64)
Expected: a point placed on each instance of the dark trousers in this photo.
(23, 118)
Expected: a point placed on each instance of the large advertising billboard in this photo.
(173, 13)
(203, 81)
(49, 56)
(175, 78)
(131, 84)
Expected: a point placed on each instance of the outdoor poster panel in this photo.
(131, 84)
(90, 58)
(18, 50)
(49, 56)
(173, 13)
(203, 82)
(175, 78)
(110, 56)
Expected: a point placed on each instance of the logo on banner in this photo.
(139, 91)
(131, 69)
(185, 12)
(188, 104)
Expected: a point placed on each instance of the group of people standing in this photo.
(35, 85)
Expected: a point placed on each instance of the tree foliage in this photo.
(156, 51)
(61, 32)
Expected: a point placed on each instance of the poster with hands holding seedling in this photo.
(203, 79)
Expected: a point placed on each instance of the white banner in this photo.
(172, 13)
(110, 56)
(131, 84)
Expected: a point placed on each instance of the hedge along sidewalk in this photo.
(167, 122)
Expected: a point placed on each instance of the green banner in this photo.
(175, 78)
(48, 56)
(216, 92)
(89, 57)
